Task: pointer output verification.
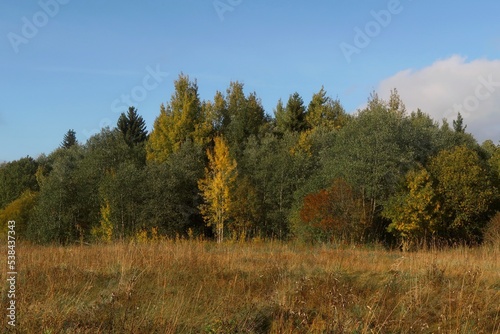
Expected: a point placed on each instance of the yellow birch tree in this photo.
(216, 187)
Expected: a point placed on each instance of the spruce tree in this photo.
(133, 127)
(458, 124)
(292, 118)
(69, 139)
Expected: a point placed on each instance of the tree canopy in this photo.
(224, 168)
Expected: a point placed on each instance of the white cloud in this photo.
(452, 85)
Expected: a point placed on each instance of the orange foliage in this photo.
(335, 211)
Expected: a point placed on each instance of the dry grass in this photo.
(202, 287)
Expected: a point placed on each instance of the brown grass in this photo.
(202, 287)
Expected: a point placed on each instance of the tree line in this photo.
(223, 168)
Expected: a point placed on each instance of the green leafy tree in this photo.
(396, 104)
(16, 177)
(171, 192)
(133, 127)
(369, 154)
(275, 172)
(466, 191)
(415, 213)
(489, 149)
(113, 171)
(492, 155)
(325, 112)
(216, 187)
(69, 203)
(61, 211)
(238, 117)
(420, 136)
(20, 210)
(122, 191)
(244, 206)
(69, 139)
(448, 138)
(280, 114)
(451, 200)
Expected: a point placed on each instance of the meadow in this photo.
(183, 286)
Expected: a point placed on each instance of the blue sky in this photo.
(72, 70)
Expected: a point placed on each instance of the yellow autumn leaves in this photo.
(446, 199)
(216, 186)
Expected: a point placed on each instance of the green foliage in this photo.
(122, 191)
(458, 124)
(452, 200)
(133, 127)
(244, 206)
(237, 117)
(69, 139)
(420, 136)
(15, 178)
(415, 213)
(72, 179)
(492, 153)
(19, 210)
(316, 174)
(62, 204)
(292, 118)
(370, 155)
(171, 196)
(448, 138)
(276, 173)
(325, 112)
(466, 190)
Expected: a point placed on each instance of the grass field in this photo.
(259, 287)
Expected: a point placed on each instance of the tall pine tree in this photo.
(292, 118)
(69, 139)
(133, 127)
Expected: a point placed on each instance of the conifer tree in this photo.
(458, 124)
(133, 127)
(69, 139)
(292, 118)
